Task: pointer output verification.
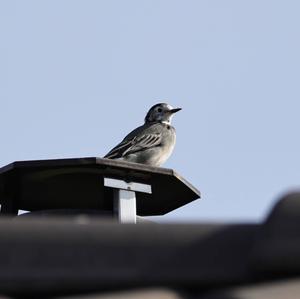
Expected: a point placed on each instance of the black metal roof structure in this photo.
(78, 184)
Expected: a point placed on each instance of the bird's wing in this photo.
(137, 143)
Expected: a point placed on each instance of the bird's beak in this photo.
(175, 110)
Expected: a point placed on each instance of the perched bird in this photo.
(151, 143)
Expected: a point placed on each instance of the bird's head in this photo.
(161, 112)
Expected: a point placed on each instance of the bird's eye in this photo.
(159, 110)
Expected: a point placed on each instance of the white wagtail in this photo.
(151, 143)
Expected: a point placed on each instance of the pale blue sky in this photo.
(76, 76)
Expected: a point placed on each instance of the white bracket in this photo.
(125, 199)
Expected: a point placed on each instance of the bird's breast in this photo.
(167, 146)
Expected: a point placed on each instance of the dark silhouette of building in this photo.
(64, 249)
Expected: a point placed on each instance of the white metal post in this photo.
(125, 204)
(125, 199)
